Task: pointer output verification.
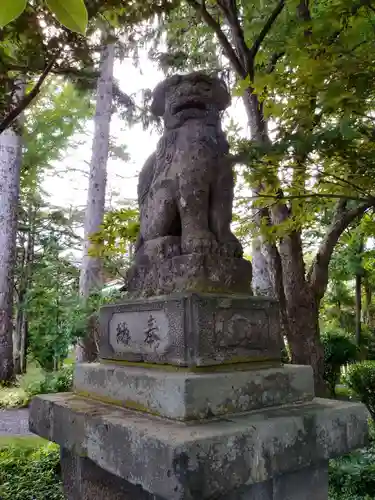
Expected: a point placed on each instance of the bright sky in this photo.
(71, 189)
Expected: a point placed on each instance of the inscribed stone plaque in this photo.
(191, 329)
(143, 332)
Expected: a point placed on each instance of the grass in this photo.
(345, 393)
(36, 381)
(16, 396)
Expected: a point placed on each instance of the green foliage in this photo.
(361, 379)
(27, 387)
(70, 13)
(339, 350)
(315, 82)
(85, 309)
(60, 381)
(343, 392)
(119, 228)
(46, 282)
(50, 305)
(35, 44)
(13, 397)
(353, 258)
(115, 240)
(10, 9)
(30, 473)
(353, 477)
(59, 113)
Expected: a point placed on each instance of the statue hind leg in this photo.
(160, 223)
(193, 205)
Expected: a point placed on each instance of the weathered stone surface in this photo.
(310, 483)
(183, 395)
(191, 329)
(213, 273)
(185, 195)
(84, 480)
(190, 462)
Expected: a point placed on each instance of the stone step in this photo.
(182, 395)
(184, 461)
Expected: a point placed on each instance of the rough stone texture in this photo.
(186, 396)
(201, 461)
(214, 273)
(191, 329)
(185, 195)
(15, 422)
(84, 480)
(310, 483)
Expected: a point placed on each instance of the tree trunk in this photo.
(10, 166)
(358, 308)
(21, 261)
(262, 284)
(368, 312)
(91, 271)
(358, 293)
(302, 310)
(17, 340)
(20, 332)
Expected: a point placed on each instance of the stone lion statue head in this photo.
(194, 96)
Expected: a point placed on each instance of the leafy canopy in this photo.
(71, 13)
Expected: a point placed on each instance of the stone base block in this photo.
(182, 395)
(84, 480)
(214, 460)
(166, 274)
(191, 329)
(310, 483)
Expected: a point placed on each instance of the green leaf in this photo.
(10, 10)
(70, 13)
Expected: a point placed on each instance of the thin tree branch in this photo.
(230, 11)
(22, 105)
(336, 34)
(273, 61)
(266, 28)
(311, 195)
(215, 26)
(318, 273)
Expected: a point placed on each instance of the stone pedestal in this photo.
(191, 329)
(194, 422)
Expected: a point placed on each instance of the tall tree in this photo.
(36, 44)
(57, 114)
(91, 270)
(10, 169)
(311, 77)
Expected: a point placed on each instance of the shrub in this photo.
(353, 477)
(30, 474)
(339, 350)
(60, 381)
(367, 344)
(361, 379)
(47, 383)
(13, 398)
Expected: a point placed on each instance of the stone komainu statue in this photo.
(185, 195)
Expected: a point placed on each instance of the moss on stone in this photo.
(131, 405)
(242, 363)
